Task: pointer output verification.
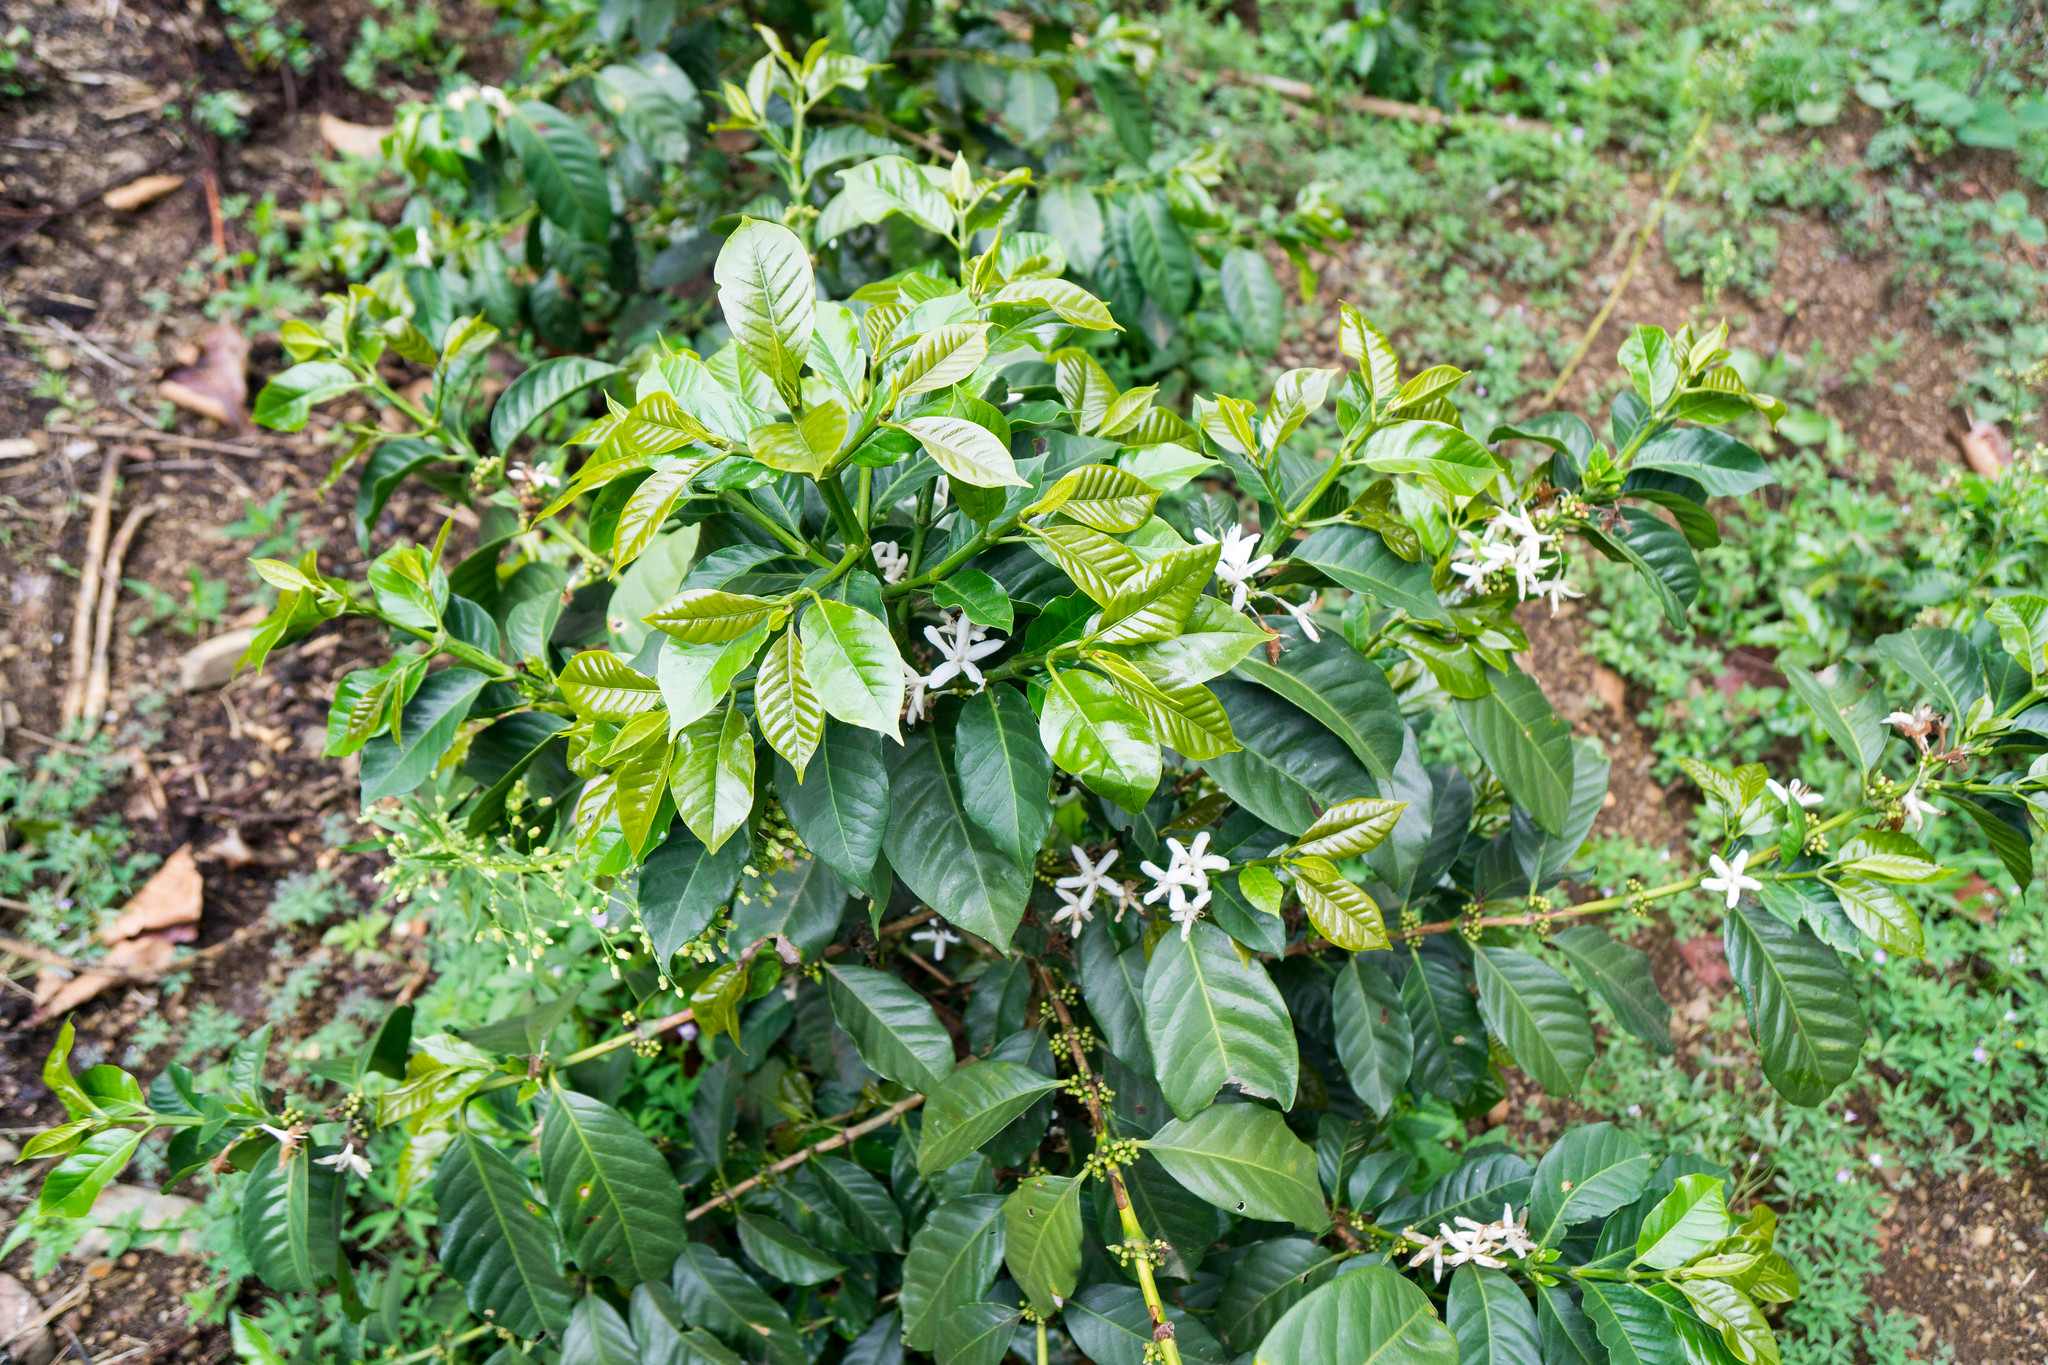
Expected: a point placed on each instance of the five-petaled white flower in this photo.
(960, 643)
(1089, 877)
(1186, 871)
(1472, 1241)
(347, 1160)
(891, 560)
(1235, 564)
(938, 936)
(1073, 910)
(1303, 614)
(1917, 809)
(1557, 590)
(1728, 877)
(1797, 793)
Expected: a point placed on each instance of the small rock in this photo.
(18, 1308)
(150, 1210)
(211, 663)
(9, 1153)
(1609, 687)
(1981, 1235)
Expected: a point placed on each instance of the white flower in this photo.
(1917, 809)
(1557, 590)
(286, 1136)
(916, 705)
(1089, 877)
(347, 1160)
(1880, 956)
(422, 249)
(938, 936)
(959, 644)
(1235, 564)
(493, 96)
(1728, 877)
(1303, 615)
(1472, 1241)
(1187, 870)
(1074, 912)
(1797, 793)
(891, 560)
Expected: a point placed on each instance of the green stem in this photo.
(774, 528)
(1041, 1342)
(834, 494)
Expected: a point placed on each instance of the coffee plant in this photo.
(1000, 797)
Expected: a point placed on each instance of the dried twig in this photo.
(861, 1129)
(162, 438)
(96, 682)
(1301, 92)
(71, 1299)
(89, 589)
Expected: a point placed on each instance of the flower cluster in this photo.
(1513, 544)
(1480, 1243)
(1078, 891)
(1187, 870)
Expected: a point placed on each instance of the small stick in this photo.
(213, 214)
(861, 1129)
(96, 683)
(89, 589)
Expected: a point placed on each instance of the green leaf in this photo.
(1849, 709)
(1005, 773)
(1801, 1004)
(945, 856)
(713, 776)
(1350, 828)
(1742, 1326)
(1887, 855)
(1653, 364)
(1685, 1222)
(75, 1182)
(985, 601)
(1591, 1172)
(1530, 1006)
(1212, 640)
(1374, 1040)
(841, 808)
(977, 1333)
(1340, 910)
(718, 1294)
(1435, 453)
(1113, 985)
(615, 1203)
(966, 450)
(767, 291)
(1096, 563)
(1371, 1316)
(288, 1219)
(1102, 497)
(429, 724)
(1092, 731)
(1042, 1238)
(710, 616)
(1493, 1323)
(252, 1345)
(971, 1106)
(1270, 1278)
(1289, 767)
(602, 686)
(1568, 1339)
(1719, 463)
(851, 659)
(496, 1240)
(1160, 251)
(1525, 744)
(288, 400)
(1188, 719)
(597, 1335)
(792, 718)
(1660, 554)
(2004, 826)
(2022, 622)
(893, 1026)
(1253, 299)
(1244, 1159)
(889, 184)
(782, 1253)
(1065, 299)
(952, 1262)
(941, 358)
(1110, 1324)
(1212, 1018)
(1942, 661)
(562, 168)
(1337, 686)
(1474, 1190)
(1630, 1324)
(1358, 559)
(682, 887)
(1622, 976)
(862, 1203)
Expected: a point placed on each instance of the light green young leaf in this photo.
(712, 779)
(851, 659)
(1685, 1223)
(966, 451)
(766, 288)
(792, 718)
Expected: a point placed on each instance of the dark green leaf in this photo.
(1042, 1238)
(429, 725)
(1942, 661)
(1358, 559)
(1290, 766)
(1337, 686)
(841, 807)
(1211, 1018)
(1802, 1005)
(1113, 984)
(719, 1295)
(1622, 976)
(971, 1106)
(1591, 1172)
(976, 1334)
(563, 168)
(683, 885)
(1373, 1035)
(941, 854)
(1270, 1278)
(1528, 748)
(1848, 707)
(952, 1262)
(496, 1240)
(289, 1219)
(782, 1253)
(597, 1335)
(1631, 1324)
(540, 388)
(1371, 1316)
(1530, 1006)
(1493, 1323)
(1110, 1324)
(1005, 773)
(615, 1203)
(892, 1025)
(1719, 463)
(1244, 1159)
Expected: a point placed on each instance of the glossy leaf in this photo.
(941, 853)
(1212, 1019)
(1492, 1321)
(892, 1025)
(1042, 1238)
(1370, 1317)
(1373, 1035)
(1622, 977)
(497, 1241)
(971, 1106)
(952, 1262)
(1591, 1172)
(1243, 1158)
(1801, 1004)
(1531, 1007)
(613, 1199)
(1525, 744)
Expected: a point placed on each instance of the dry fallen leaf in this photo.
(352, 139)
(216, 387)
(1707, 959)
(136, 193)
(171, 897)
(1985, 449)
(57, 994)
(231, 849)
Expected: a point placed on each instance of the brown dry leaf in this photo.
(55, 994)
(1609, 687)
(1985, 449)
(136, 193)
(171, 897)
(231, 849)
(352, 139)
(217, 386)
(1707, 959)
